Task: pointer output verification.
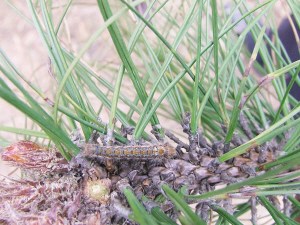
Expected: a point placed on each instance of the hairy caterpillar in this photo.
(130, 152)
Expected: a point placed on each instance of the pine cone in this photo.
(90, 189)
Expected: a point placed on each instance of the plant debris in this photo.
(89, 189)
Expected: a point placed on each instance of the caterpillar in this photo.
(131, 152)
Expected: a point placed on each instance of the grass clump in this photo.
(181, 116)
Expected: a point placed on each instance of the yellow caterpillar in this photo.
(131, 152)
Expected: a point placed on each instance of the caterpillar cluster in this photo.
(131, 152)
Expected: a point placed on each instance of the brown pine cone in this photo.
(89, 188)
